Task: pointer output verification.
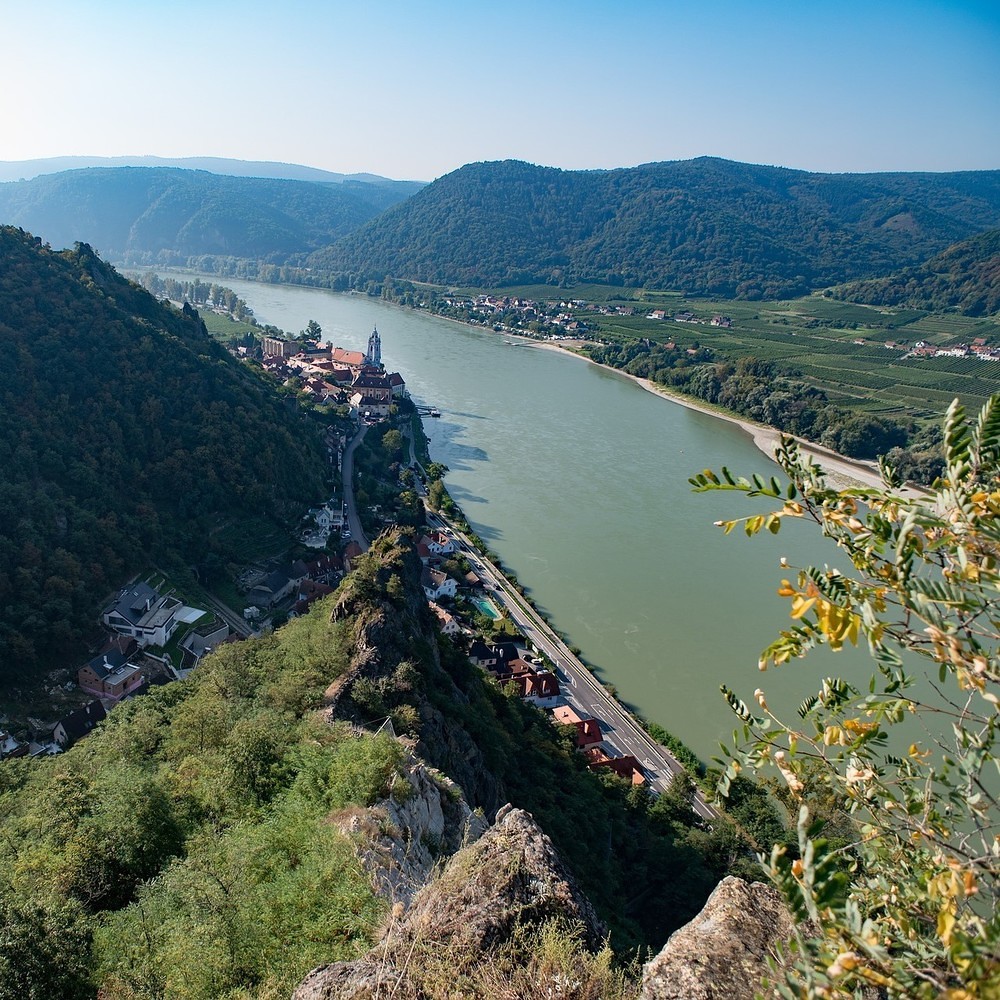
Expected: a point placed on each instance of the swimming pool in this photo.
(486, 606)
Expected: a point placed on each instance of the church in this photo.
(373, 391)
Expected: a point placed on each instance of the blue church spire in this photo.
(374, 355)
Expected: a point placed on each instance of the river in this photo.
(577, 478)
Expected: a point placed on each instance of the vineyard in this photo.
(839, 347)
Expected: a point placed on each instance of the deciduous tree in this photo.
(910, 905)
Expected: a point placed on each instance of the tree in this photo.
(44, 951)
(910, 904)
(313, 330)
(392, 443)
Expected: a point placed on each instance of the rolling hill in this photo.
(17, 170)
(965, 277)
(166, 215)
(705, 226)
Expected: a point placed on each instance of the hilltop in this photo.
(225, 834)
(707, 226)
(964, 278)
(167, 215)
(127, 436)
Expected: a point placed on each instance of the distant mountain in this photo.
(704, 226)
(165, 214)
(21, 170)
(128, 437)
(965, 277)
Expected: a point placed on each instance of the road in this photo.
(236, 622)
(579, 686)
(581, 689)
(347, 477)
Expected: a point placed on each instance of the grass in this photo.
(224, 327)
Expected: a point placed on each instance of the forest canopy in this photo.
(706, 226)
(126, 436)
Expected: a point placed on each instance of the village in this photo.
(153, 636)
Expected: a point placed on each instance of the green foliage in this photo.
(706, 225)
(127, 437)
(166, 215)
(44, 951)
(909, 902)
(965, 277)
(190, 835)
(646, 870)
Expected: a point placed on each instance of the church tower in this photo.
(374, 355)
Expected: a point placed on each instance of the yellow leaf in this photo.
(969, 883)
(833, 735)
(857, 726)
(945, 925)
(801, 605)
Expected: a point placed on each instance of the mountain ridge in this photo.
(707, 226)
(167, 214)
(13, 170)
(964, 277)
(127, 435)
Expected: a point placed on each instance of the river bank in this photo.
(842, 472)
(579, 483)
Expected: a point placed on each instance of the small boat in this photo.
(434, 412)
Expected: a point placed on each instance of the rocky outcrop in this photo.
(722, 954)
(403, 837)
(490, 896)
(395, 655)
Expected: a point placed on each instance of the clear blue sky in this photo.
(414, 90)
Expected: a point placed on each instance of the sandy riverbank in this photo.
(842, 472)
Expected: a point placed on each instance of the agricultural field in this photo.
(225, 327)
(839, 347)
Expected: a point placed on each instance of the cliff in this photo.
(477, 922)
(506, 918)
(723, 953)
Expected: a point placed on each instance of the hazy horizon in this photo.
(413, 92)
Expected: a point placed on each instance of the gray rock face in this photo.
(722, 953)
(509, 880)
(406, 835)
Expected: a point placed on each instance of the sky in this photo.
(413, 90)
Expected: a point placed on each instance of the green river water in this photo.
(577, 478)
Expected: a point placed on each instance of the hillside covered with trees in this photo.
(204, 841)
(706, 226)
(127, 436)
(166, 215)
(965, 277)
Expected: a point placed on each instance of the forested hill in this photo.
(965, 277)
(14, 170)
(126, 436)
(702, 226)
(166, 215)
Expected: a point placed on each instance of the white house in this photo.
(140, 612)
(437, 584)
